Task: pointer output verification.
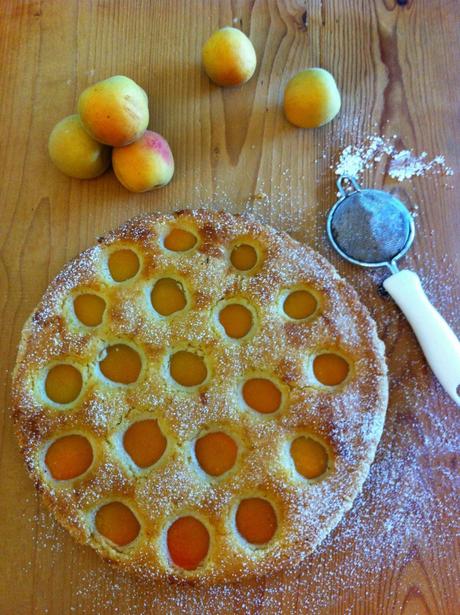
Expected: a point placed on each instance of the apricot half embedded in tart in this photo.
(63, 383)
(236, 319)
(179, 240)
(116, 522)
(188, 542)
(216, 452)
(330, 369)
(121, 364)
(310, 457)
(168, 296)
(123, 264)
(69, 457)
(89, 309)
(144, 442)
(187, 368)
(244, 257)
(256, 520)
(300, 304)
(262, 395)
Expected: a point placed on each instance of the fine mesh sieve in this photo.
(369, 227)
(372, 228)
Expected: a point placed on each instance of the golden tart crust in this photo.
(348, 418)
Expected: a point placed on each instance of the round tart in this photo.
(199, 397)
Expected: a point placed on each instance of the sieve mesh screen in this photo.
(371, 226)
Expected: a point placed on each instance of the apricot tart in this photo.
(199, 397)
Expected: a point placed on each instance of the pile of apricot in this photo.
(111, 124)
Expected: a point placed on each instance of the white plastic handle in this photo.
(438, 341)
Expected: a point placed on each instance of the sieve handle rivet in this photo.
(344, 182)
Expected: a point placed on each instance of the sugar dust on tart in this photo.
(199, 397)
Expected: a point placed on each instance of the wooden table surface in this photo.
(396, 64)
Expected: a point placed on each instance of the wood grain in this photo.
(396, 66)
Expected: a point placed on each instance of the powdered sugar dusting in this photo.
(402, 164)
(284, 208)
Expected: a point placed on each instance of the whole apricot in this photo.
(311, 98)
(229, 57)
(114, 111)
(144, 165)
(74, 152)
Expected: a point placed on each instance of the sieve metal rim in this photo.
(391, 264)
